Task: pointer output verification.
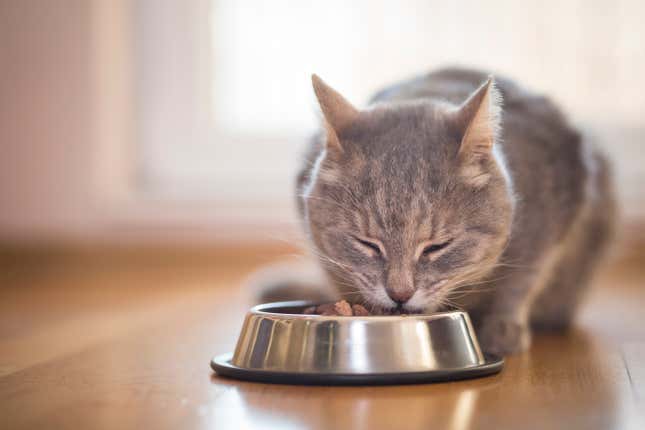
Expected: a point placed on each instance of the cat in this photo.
(455, 189)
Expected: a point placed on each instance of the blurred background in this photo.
(148, 150)
(166, 121)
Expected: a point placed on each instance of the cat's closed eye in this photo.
(435, 247)
(372, 247)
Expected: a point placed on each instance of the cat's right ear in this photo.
(479, 118)
(337, 111)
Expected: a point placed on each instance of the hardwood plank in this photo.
(128, 346)
(634, 358)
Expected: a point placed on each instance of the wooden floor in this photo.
(115, 342)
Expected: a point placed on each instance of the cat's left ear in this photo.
(338, 112)
(480, 118)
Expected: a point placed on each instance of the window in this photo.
(223, 87)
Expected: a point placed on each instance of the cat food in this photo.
(341, 308)
(344, 309)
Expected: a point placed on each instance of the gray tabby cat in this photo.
(427, 200)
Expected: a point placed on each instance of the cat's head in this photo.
(408, 201)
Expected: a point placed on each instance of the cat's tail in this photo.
(285, 281)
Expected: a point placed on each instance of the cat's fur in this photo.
(516, 203)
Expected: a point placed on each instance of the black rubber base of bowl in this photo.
(222, 365)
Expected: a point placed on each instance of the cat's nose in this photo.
(400, 295)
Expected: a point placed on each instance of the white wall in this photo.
(45, 118)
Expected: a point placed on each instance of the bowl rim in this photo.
(223, 366)
(263, 309)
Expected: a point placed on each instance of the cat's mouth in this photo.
(398, 311)
(403, 309)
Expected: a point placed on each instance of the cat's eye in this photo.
(431, 249)
(373, 247)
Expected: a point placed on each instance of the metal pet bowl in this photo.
(279, 344)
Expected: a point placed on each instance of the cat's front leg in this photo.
(501, 334)
(503, 325)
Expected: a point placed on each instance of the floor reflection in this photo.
(535, 390)
(414, 406)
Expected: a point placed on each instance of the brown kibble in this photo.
(360, 311)
(310, 310)
(343, 308)
(326, 309)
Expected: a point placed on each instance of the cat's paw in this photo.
(501, 336)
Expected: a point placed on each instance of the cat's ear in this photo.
(338, 112)
(480, 118)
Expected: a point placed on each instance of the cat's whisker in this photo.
(467, 293)
(350, 293)
(487, 281)
(450, 303)
(329, 260)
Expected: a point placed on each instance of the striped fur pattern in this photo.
(457, 190)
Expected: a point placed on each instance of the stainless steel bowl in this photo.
(280, 344)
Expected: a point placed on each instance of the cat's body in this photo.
(396, 205)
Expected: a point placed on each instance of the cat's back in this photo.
(521, 107)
